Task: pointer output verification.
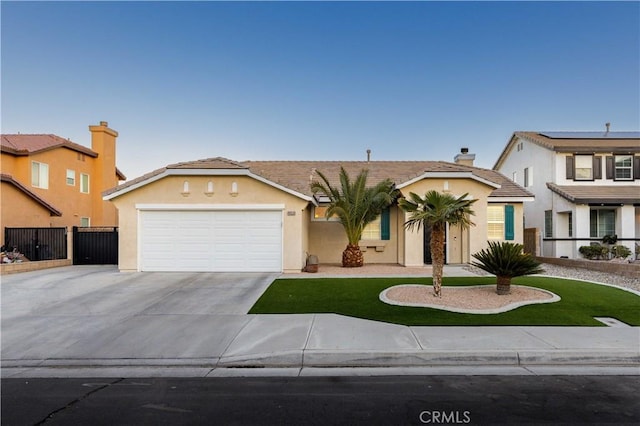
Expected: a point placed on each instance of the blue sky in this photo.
(182, 81)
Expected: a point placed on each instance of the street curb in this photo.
(355, 359)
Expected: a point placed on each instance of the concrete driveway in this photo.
(97, 322)
(95, 312)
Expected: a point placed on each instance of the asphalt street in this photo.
(411, 400)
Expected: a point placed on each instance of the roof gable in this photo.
(10, 180)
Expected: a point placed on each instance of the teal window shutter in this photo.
(385, 224)
(509, 220)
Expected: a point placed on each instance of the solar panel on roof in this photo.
(591, 135)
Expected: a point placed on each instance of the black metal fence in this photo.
(37, 243)
(95, 246)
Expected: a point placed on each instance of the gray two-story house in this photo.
(586, 186)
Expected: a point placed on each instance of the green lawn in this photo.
(358, 297)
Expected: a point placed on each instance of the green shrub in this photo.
(506, 260)
(610, 239)
(594, 252)
(620, 252)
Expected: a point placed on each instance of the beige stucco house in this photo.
(222, 215)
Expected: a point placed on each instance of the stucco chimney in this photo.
(103, 175)
(464, 158)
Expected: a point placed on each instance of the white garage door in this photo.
(230, 241)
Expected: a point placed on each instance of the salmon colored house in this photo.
(49, 181)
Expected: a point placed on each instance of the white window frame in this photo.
(39, 179)
(85, 222)
(318, 214)
(548, 223)
(583, 163)
(617, 168)
(599, 225)
(495, 222)
(71, 177)
(373, 230)
(82, 184)
(514, 177)
(528, 177)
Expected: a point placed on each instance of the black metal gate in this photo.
(95, 245)
(37, 243)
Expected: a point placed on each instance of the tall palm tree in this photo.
(435, 210)
(355, 205)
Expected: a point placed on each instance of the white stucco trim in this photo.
(206, 172)
(204, 207)
(510, 199)
(448, 175)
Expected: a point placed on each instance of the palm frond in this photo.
(505, 259)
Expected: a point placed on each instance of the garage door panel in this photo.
(211, 241)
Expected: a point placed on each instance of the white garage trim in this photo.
(210, 238)
(228, 207)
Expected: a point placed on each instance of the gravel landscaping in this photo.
(580, 274)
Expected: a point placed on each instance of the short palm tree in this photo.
(506, 260)
(355, 205)
(435, 210)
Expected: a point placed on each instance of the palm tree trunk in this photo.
(352, 256)
(437, 256)
(504, 285)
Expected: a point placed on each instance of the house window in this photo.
(528, 177)
(602, 222)
(584, 167)
(84, 183)
(495, 222)
(373, 230)
(570, 223)
(85, 222)
(624, 167)
(514, 177)
(319, 213)
(548, 224)
(71, 177)
(39, 175)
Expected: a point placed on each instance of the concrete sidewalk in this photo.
(123, 325)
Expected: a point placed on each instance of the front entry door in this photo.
(455, 244)
(427, 245)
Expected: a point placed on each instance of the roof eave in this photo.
(449, 175)
(510, 199)
(590, 150)
(503, 154)
(201, 172)
(52, 210)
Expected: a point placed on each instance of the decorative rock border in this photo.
(384, 298)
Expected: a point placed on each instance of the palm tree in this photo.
(506, 260)
(355, 205)
(435, 210)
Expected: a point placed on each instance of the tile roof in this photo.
(10, 180)
(297, 175)
(605, 194)
(26, 144)
(575, 142)
(29, 144)
(598, 143)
